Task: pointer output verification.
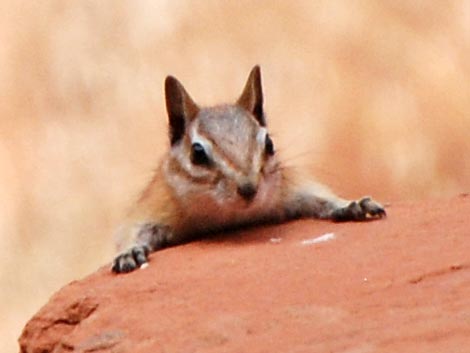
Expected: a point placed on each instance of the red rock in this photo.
(401, 284)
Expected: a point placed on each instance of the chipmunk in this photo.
(222, 171)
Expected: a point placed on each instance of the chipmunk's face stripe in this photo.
(241, 171)
(180, 162)
(221, 160)
(176, 168)
(261, 136)
(258, 151)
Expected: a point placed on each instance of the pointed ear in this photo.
(180, 107)
(252, 96)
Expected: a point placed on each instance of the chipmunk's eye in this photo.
(269, 146)
(198, 154)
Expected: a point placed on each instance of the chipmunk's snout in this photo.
(247, 191)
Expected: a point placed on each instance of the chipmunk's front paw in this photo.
(359, 211)
(130, 259)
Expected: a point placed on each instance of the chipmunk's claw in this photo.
(360, 210)
(372, 208)
(130, 260)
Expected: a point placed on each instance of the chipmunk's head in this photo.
(223, 153)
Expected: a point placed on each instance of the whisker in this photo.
(313, 168)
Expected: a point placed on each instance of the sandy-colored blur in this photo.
(372, 97)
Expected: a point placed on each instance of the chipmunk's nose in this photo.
(247, 191)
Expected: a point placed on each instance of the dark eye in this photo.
(198, 154)
(268, 146)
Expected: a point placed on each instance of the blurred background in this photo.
(370, 97)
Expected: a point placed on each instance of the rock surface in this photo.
(397, 285)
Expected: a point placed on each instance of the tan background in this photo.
(372, 97)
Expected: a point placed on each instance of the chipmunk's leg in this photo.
(318, 202)
(150, 237)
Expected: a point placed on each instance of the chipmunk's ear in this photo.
(180, 107)
(252, 96)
